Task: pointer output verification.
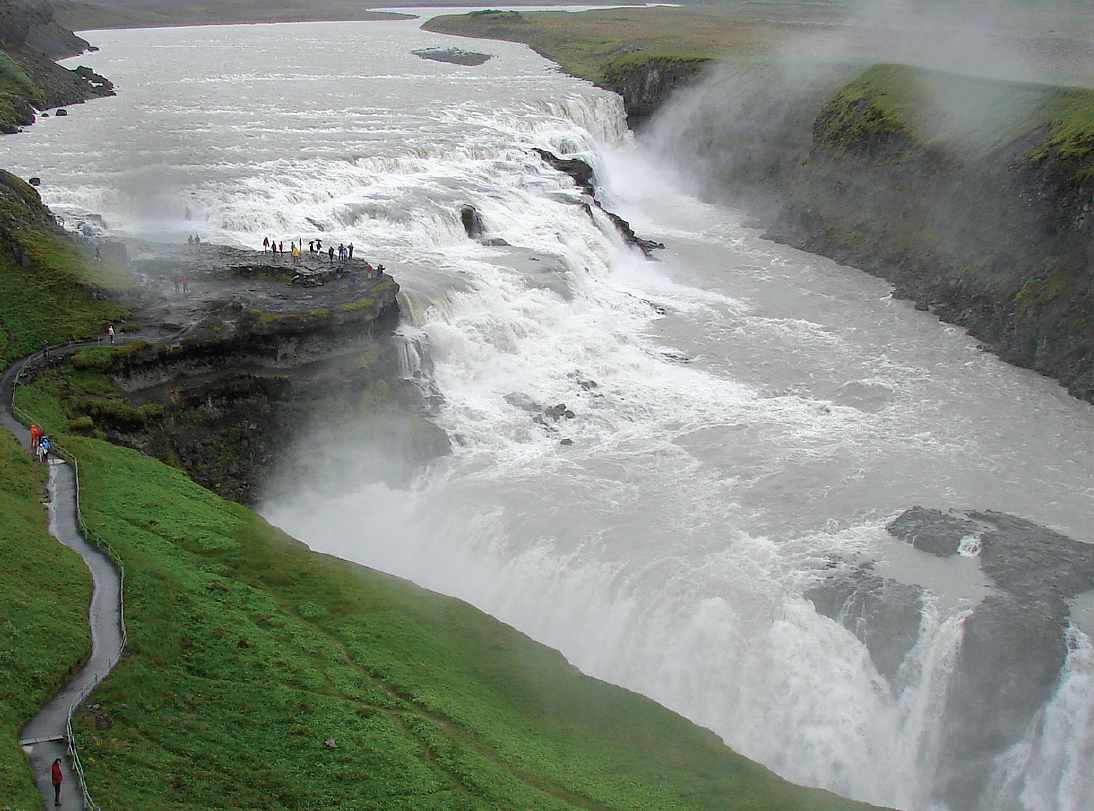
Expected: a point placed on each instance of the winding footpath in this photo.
(47, 736)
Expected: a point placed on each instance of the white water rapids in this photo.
(743, 411)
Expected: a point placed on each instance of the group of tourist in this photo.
(344, 253)
(39, 443)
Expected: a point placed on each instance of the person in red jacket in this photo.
(58, 777)
(35, 435)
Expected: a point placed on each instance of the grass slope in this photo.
(248, 653)
(46, 278)
(43, 614)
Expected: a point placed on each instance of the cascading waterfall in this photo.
(416, 364)
(735, 417)
(1050, 768)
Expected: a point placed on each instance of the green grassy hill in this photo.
(285, 679)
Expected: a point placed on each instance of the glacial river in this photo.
(742, 411)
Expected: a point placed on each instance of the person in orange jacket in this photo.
(35, 435)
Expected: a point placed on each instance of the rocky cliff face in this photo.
(30, 80)
(973, 197)
(647, 84)
(247, 372)
(1013, 645)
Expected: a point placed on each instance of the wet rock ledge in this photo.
(238, 362)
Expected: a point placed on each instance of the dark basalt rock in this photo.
(584, 177)
(472, 222)
(1008, 667)
(455, 56)
(883, 614)
(1014, 643)
(933, 531)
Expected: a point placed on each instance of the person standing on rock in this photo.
(349, 249)
(58, 777)
(265, 244)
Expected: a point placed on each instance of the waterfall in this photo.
(416, 365)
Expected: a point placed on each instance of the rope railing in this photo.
(89, 535)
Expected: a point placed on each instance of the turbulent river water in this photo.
(742, 411)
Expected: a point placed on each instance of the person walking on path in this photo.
(330, 253)
(58, 777)
(110, 332)
(35, 435)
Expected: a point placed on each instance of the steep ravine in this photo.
(979, 209)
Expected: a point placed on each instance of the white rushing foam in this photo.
(743, 411)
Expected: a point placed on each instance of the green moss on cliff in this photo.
(967, 194)
(46, 280)
(18, 95)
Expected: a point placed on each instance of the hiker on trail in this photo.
(43, 448)
(295, 253)
(110, 332)
(265, 244)
(45, 347)
(58, 777)
(35, 435)
(349, 249)
(176, 281)
(311, 246)
(318, 244)
(281, 248)
(185, 287)
(330, 253)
